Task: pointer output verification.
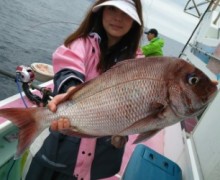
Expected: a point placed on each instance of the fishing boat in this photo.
(188, 150)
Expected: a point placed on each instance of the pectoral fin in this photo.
(140, 125)
(74, 132)
(144, 136)
(73, 91)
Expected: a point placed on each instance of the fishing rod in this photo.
(207, 9)
(25, 75)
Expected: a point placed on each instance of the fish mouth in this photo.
(191, 112)
(197, 112)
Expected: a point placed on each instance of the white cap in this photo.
(127, 6)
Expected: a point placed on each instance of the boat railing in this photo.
(204, 52)
(190, 57)
(217, 18)
(194, 8)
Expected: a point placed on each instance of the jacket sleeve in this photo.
(139, 53)
(152, 47)
(69, 66)
(66, 78)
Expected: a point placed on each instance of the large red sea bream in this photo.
(139, 96)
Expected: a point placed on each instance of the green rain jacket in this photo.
(154, 48)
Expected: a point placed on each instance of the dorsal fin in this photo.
(148, 60)
(121, 63)
(73, 91)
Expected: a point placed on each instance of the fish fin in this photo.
(156, 109)
(137, 125)
(146, 60)
(144, 136)
(24, 119)
(73, 91)
(75, 132)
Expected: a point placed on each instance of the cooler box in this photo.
(147, 164)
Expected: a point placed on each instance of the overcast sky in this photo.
(169, 18)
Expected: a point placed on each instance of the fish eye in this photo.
(192, 79)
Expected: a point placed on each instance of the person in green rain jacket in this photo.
(154, 48)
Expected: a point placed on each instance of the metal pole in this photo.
(209, 6)
(217, 18)
(215, 5)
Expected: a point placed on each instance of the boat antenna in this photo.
(207, 9)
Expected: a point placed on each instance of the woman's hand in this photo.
(62, 123)
(119, 141)
(52, 105)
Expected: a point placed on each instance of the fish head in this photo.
(190, 90)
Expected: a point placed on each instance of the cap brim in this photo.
(124, 6)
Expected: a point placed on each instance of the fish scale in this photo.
(85, 114)
(137, 70)
(136, 96)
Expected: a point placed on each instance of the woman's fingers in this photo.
(60, 124)
(54, 126)
(52, 105)
(66, 123)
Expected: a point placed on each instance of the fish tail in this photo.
(25, 120)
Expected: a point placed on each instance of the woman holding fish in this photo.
(108, 102)
(109, 33)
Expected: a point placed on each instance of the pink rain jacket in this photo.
(82, 56)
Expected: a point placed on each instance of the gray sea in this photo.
(31, 30)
